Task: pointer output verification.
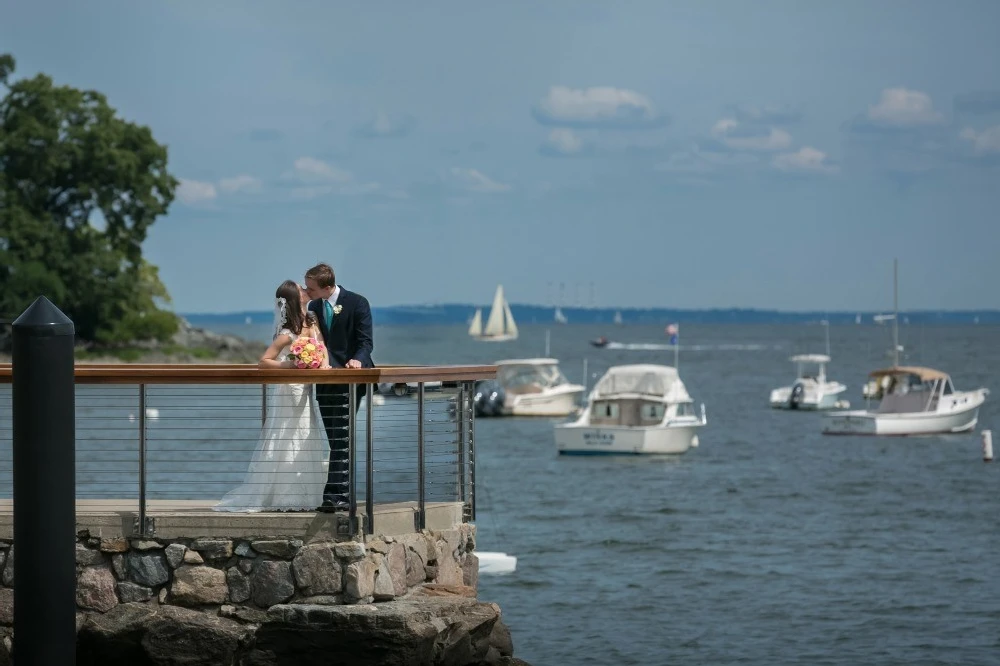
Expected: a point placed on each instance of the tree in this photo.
(79, 189)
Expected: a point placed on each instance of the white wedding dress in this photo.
(289, 466)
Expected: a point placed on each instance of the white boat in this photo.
(536, 387)
(810, 391)
(559, 317)
(618, 318)
(915, 401)
(500, 326)
(634, 409)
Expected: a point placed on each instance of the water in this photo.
(768, 544)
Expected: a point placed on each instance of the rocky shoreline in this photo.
(272, 601)
(189, 345)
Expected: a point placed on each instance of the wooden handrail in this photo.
(182, 373)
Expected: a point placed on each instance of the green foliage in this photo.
(79, 189)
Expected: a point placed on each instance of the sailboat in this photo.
(618, 317)
(500, 326)
(559, 317)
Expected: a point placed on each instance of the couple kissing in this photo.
(301, 462)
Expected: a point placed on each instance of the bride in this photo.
(289, 466)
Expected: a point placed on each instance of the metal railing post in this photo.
(352, 408)
(263, 404)
(142, 460)
(472, 456)
(460, 409)
(369, 461)
(421, 499)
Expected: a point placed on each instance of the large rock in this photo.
(446, 632)
(175, 554)
(282, 548)
(272, 583)
(384, 588)
(198, 586)
(148, 568)
(213, 549)
(359, 580)
(6, 605)
(8, 569)
(239, 585)
(130, 592)
(95, 589)
(146, 635)
(317, 571)
(85, 557)
(397, 568)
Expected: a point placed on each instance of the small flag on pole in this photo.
(673, 330)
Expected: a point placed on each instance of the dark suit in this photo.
(348, 337)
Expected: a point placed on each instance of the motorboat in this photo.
(528, 387)
(634, 409)
(810, 390)
(500, 325)
(600, 342)
(913, 401)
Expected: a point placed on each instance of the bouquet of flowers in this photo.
(307, 353)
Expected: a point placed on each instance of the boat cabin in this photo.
(639, 395)
(906, 390)
(530, 375)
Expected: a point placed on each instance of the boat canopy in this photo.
(925, 374)
(528, 361)
(660, 381)
(810, 358)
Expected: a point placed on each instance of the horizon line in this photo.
(644, 308)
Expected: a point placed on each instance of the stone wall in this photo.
(255, 574)
(277, 601)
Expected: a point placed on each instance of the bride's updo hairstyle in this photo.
(294, 320)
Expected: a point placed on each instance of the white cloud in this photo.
(806, 159)
(312, 169)
(900, 107)
(601, 106)
(986, 142)
(195, 191)
(385, 125)
(738, 136)
(476, 181)
(241, 183)
(316, 178)
(564, 142)
(695, 161)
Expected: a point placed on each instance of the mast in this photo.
(895, 309)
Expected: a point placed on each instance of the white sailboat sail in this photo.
(476, 327)
(509, 322)
(618, 317)
(494, 325)
(559, 317)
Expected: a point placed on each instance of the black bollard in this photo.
(44, 487)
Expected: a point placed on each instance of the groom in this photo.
(345, 319)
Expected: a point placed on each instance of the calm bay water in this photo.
(768, 544)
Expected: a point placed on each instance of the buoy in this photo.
(987, 446)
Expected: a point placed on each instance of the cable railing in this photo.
(155, 438)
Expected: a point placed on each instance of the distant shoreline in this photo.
(527, 314)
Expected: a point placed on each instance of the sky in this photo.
(675, 154)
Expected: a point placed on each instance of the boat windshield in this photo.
(908, 393)
(513, 377)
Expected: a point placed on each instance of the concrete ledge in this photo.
(195, 518)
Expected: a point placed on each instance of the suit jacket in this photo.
(350, 336)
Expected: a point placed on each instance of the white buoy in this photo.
(987, 446)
